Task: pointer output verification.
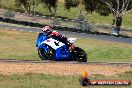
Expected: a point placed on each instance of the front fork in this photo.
(46, 48)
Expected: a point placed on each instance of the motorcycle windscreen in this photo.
(71, 40)
(53, 43)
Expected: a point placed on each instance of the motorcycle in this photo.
(53, 49)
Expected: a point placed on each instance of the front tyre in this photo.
(80, 54)
(45, 55)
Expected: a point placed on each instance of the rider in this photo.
(50, 33)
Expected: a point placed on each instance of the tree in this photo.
(28, 5)
(51, 5)
(71, 4)
(0, 4)
(118, 8)
(85, 6)
(34, 4)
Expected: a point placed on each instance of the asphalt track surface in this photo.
(68, 33)
(67, 62)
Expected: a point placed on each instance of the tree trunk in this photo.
(25, 10)
(117, 25)
(52, 13)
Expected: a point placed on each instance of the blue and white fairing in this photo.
(40, 39)
(61, 51)
(60, 48)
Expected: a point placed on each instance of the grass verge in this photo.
(31, 80)
(21, 45)
(17, 45)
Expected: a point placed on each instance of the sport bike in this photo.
(53, 49)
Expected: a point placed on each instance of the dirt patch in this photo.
(61, 68)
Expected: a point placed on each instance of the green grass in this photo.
(73, 13)
(10, 4)
(31, 80)
(99, 50)
(21, 45)
(17, 45)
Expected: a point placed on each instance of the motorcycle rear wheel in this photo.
(80, 54)
(45, 55)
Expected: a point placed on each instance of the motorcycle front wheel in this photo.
(49, 55)
(80, 54)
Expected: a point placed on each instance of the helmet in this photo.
(46, 28)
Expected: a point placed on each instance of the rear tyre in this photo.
(80, 54)
(45, 55)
